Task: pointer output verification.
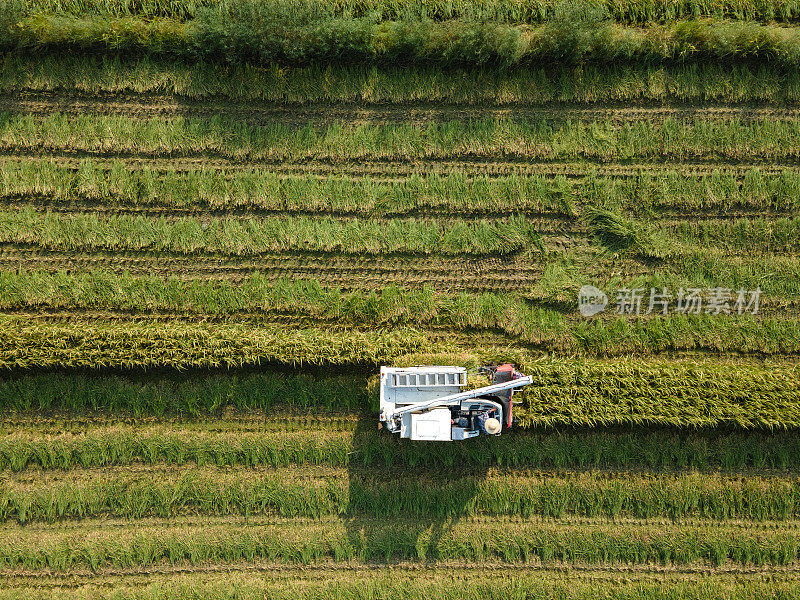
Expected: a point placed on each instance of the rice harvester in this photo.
(431, 403)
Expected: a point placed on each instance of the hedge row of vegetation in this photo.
(241, 30)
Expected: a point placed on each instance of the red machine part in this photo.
(502, 374)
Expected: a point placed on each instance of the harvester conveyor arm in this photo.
(457, 398)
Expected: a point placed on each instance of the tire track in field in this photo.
(259, 520)
(545, 222)
(388, 171)
(280, 420)
(500, 570)
(147, 106)
(43, 313)
(340, 270)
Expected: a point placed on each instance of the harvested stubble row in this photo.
(258, 190)
(486, 139)
(452, 582)
(220, 442)
(355, 540)
(318, 84)
(316, 492)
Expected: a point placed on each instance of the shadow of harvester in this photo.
(406, 496)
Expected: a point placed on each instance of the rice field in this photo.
(218, 219)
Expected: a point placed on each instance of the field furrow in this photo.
(397, 171)
(345, 271)
(543, 223)
(493, 580)
(41, 103)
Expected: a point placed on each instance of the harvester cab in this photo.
(430, 403)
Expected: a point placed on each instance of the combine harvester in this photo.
(429, 403)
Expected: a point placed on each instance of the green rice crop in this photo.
(142, 344)
(190, 393)
(497, 584)
(344, 492)
(596, 393)
(147, 343)
(355, 444)
(390, 306)
(272, 83)
(778, 275)
(237, 237)
(242, 30)
(520, 11)
(534, 140)
(309, 543)
(574, 392)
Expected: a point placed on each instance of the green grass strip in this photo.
(512, 314)
(261, 190)
(191, 393)
(588, 84)
(238, 237)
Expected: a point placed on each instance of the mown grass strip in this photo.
(392, 494)
(363, 445)
(263, 296)
(363, 540)
(224, 136)
(264, 190)
(273, 83)
(261, 190)
(247, 237)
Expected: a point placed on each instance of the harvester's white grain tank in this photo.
(415, 385)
